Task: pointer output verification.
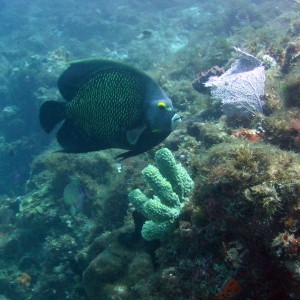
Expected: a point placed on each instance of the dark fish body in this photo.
(109, 105)
(144, 35)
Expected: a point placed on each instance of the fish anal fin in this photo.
(72, 140)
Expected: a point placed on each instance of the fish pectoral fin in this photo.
(156, 130)
(133, 135)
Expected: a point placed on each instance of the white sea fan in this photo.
(242, 87)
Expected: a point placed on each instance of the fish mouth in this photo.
(175, 121)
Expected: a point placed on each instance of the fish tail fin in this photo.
(51, 113)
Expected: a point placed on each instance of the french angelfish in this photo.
(109, 105)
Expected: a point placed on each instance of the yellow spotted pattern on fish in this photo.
(106, 102)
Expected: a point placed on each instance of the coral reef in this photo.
(290, 56)
(118, 266)
(209, 133)
(98, 175)
(273, 94)
(282, 129)
(246, 196)
(43, 232)
(236, 237)
(239, 229)
(291, 89)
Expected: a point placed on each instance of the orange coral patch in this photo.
(230, 289)
(250, 135)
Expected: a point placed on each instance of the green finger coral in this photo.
(172, 185)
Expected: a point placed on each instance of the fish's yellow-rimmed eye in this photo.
(162, 105)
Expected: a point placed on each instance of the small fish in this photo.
(144, 35)
(109, 105)
(73, 196)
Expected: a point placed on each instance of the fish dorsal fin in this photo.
(78, 71)
(72, 78)
(134, 134)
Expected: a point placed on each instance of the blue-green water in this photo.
(239, 226)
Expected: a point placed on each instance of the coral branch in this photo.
(172, 185)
